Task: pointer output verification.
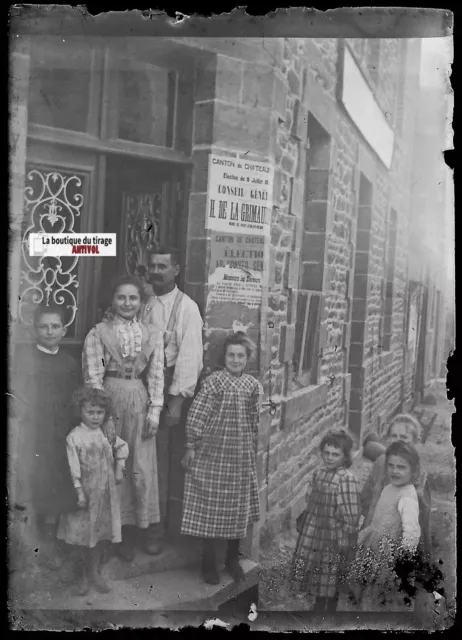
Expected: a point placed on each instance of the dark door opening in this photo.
(144, 205)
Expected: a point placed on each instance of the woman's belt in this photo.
(116, 374)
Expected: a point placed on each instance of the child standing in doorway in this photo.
(329, 525)
(95, 474)
(221, 491)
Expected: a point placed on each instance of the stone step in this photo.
(181, 551)
(178, 589)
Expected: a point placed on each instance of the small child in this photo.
(394, 530)
(405, 428)
(329, 524)
(94, 474)
(221, 491)
(44, 378)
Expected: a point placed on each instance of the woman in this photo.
(117, 353)
(404, 428)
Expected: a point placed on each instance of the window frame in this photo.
(306, 377)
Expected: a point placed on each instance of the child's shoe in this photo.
(232, 565)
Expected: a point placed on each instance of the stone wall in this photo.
(271, 107)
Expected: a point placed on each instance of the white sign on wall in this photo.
(239, 197)
(359, 100)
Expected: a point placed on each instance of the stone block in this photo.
(356, 424)
(257, 85)
(204, 123)
(359, 310)
(242, 127)
(200, 171)
(303, 403)
(313, 246)
(197, 260)
(197, 215)
(359, 332)
(347, 386)
(317, 185)
(312, 276)
(279, 95)
(294, 82)
(356, 354)
(315, 216)
(346, 335)
(364, 218)
(363, 241)
(300, 122)
(220, 78)
(287, 342)
(294, 265)
(361, 284)
(296, 201)
(361, 263)
(356, 399)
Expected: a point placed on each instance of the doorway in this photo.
(145, 207)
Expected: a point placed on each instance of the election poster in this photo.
(239, 198)
(236, 269)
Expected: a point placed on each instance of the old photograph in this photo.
(231, 312)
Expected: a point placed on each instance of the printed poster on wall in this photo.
(239, 209)
(239, 198)
(236, 269)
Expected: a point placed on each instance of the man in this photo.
(179, 319)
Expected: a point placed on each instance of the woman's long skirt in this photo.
(139, 489)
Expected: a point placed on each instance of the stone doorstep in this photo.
(180, 589)
(181, 553)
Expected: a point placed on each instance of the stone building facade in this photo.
(331, 329)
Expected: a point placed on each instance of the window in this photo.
(312, 258)
(307, 336)
(146, 98)
(59, 88)
(388, 282)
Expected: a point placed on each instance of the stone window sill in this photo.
(303, 402)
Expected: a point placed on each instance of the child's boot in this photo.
(209, 562)
(232, 565)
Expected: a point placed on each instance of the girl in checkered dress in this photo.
(221, 492)
(329, 525)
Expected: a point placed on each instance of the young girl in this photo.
(394, 528)
(116, 354)
(404, 428)
(329, 525)
(221, 492)
(95, 474)
(45, 376)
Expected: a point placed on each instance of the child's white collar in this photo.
(45, 350)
